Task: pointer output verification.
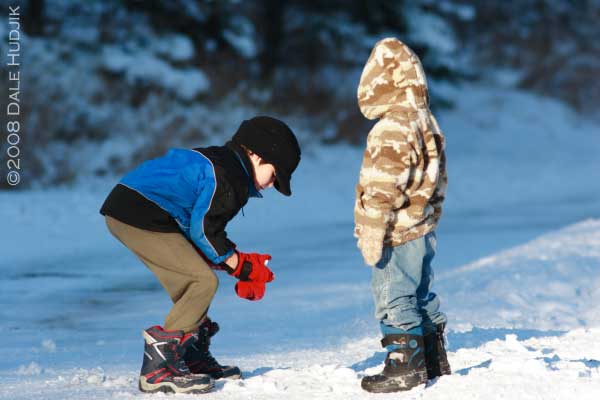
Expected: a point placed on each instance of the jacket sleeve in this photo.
(223, 209)
(209, 219)
(383, 180)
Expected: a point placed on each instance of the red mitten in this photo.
(250, 290)
(253, 267)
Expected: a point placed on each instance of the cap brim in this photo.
(282, 184)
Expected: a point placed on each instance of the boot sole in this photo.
(390, 389)
(236, 374)
(395, 385)
(233, 377)
(170, 387)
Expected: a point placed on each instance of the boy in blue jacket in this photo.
(171, 212)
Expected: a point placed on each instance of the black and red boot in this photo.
(200, 361)
(164, 369)
(435, 353)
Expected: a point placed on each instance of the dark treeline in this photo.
(287, 57)
(553, 42)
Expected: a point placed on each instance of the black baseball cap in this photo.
(275, 143)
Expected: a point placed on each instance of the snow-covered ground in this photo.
(544, 366)
(518, 271)
(525, 325)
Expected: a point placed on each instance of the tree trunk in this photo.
(33, 19)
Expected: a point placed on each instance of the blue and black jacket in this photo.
(195, 192)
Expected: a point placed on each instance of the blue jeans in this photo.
(401, 281)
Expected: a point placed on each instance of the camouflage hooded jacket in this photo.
(403, 175)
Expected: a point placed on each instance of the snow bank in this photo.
(552, 282)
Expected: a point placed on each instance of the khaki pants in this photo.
(183, 273)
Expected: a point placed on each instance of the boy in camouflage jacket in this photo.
(398, 204)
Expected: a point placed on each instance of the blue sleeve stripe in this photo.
(214, 255)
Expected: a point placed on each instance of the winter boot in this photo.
(404, 365)
(435, 353)
(164, 369)
(200, 361)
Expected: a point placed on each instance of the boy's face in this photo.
(264, 173)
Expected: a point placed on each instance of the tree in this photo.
(33, 18)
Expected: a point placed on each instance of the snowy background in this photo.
(518, 263)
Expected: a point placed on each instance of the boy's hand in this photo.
(250, 290)
(253, 267)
